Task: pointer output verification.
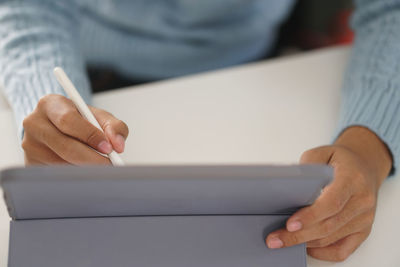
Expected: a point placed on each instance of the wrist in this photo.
(369, 147)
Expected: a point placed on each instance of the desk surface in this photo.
(267, 112)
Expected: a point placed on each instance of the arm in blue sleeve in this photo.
(36, 36)
(371, 90)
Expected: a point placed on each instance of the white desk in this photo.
(268, 112)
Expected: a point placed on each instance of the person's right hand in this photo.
(56, 133)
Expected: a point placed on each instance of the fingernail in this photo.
(120, 141)
(105, 147)
(275, 242)
(294, 226)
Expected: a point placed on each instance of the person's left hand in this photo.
(342, 217)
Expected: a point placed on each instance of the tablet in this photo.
(156, 215)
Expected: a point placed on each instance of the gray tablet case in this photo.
(172, 216)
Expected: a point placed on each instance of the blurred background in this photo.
(312, 24)
(315, 24)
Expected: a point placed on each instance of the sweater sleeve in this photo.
(371, 90)
(36, 36)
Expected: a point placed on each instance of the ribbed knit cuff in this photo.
(378, 110)
(25, 95)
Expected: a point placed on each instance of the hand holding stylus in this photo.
(83, 109)
(56, 133)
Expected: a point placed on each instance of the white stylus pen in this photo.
(80, 104)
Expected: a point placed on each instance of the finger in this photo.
(361, 223)
(352, 218)
(69, 149)
(319, 155)
(326, 227)
(67, 119)
(332, 200)
(282, 238)
(116, 130)
(320, 231)
(340, 250)
(37, 153)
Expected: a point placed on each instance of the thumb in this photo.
(322, 207)
(115, 130)
(319, 155)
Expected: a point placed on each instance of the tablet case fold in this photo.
(156, 215)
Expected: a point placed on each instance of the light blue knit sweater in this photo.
(157, 39)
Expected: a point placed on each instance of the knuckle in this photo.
(320, 242)
(337, 205)
(66, 118)
(25, 144)
(116, 123)
(306, 154)
(43, 100)
(107, 125)
(328, 227)
(292, 239)
(92, 136)
(312, 216)
(27, 123)
(125, 127)
(341, 254)
(369, 201)
(368, 230)
(46, 98)
(370, 219)
(119, 124)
